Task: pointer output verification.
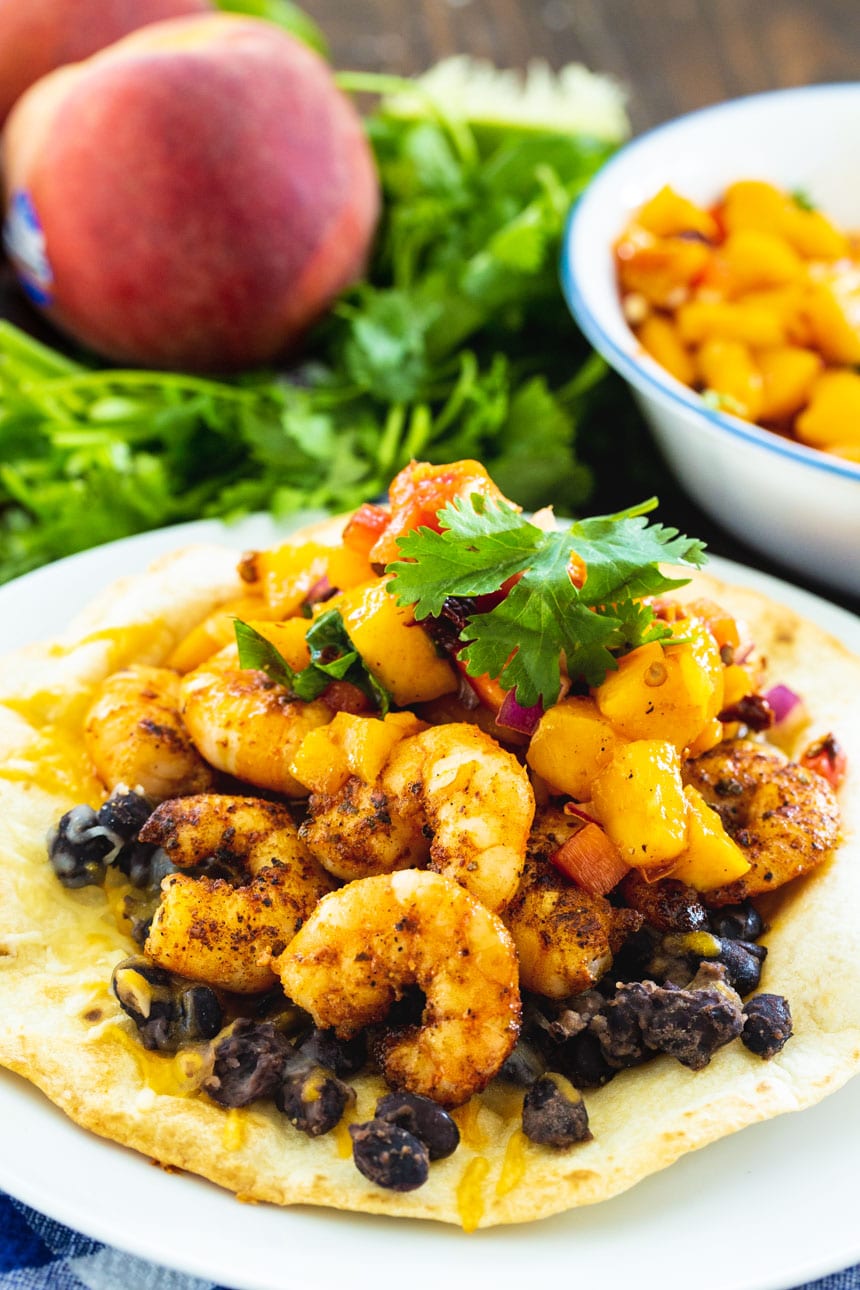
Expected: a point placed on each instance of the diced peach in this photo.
(833, 311)
(755, 259)
(753, 204)
(788, 304)
(737, 684)
(288, 639)
(319, 763)
(368, 742)
(787, 374)
(711, 858)
(832, 418)
(665, 693)
(393, 646)
(573, 743)
(660, 269)
(350, 745)
(728, 369)
(720, 623)
(812, 234)
(702, 320)
(216, 631)
(659, 336)
(285, 575)
(639, 800)
(668, 213)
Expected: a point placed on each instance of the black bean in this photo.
(581, 1059)
(199, 1014)
(343, 1056)
(79, 847)
(743, 963)
(248, 1063)
(523, 1066)
(767, 1024)
(389, 1156)
(737, 922)
(424, 1119)
(311, 1097)
(125, 814)
(143, 989)
(554, 1113)
(167, 1011)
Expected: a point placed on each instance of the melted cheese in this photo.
(470, 1193)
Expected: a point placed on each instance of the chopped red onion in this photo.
(515, 717)
(573, 808)
(783, 701)
(320, 591)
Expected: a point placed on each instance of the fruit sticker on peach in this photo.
(24, 241)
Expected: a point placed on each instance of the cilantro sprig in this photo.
(457, 343)
(544, 621)
(333, 658)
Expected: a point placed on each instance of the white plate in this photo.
(766, 1209)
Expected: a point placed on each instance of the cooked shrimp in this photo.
(450, 794)
(205, 928)
(246, 724)
(365, 945)
(565, 937)
(135, 736)
(784, 818)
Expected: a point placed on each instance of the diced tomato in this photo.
(718, 621)
(419, 492)
(592, 860)
(366, 527)
(343, 696)
(827, 758)
(576, 570)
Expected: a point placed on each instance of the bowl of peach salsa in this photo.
(715, 263)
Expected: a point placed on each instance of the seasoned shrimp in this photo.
(450, 795)
(784, 818)
(135, 736)
(205, 928)
(366, 944)
(565, 937)
(246, 724)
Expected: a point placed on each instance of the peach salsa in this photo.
(442, 861)
(755, 302)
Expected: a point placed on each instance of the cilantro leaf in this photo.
(333, 658)
(544, 622)
(256, 652)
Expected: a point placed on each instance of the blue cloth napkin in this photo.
(38, 1254)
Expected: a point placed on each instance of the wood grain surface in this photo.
(672, 55)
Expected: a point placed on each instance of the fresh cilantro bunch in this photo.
(545, 622)
(457, 344)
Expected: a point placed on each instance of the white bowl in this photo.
(799, 506)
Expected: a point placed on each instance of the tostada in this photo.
(440, 862)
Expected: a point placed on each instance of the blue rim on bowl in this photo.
(646, 372)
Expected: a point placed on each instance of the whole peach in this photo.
(38, 35)
(192, 197)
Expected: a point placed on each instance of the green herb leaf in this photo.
(544, 621)
(457, 344)
(334, 655)
(258, 653)
(333, 658)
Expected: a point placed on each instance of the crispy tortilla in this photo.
(62, 1029)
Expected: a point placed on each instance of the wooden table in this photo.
(672, 56)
